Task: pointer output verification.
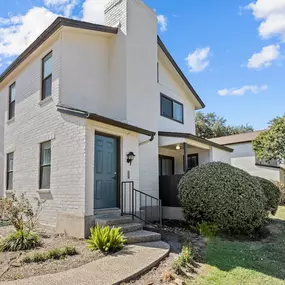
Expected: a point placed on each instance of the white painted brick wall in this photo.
(2, 158)
(35, 123)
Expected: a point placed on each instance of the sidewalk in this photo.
(130, 262)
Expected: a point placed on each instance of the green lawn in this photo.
(235, 262)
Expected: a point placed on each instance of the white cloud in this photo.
(162, 21)
(265, 57)
(241, 91)
(272, 15)
(198, 60)
(17, 36)
(65, 6)
(93, 11)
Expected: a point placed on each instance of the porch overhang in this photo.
(174, 138)
(95, 117)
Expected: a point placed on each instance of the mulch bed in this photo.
(11, 267)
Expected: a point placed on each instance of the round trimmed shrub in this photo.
(272, 194)
(222, 195)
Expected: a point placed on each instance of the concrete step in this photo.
(132, 227)
(142, 236)
(112, 220)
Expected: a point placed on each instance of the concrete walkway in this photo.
(114, 269)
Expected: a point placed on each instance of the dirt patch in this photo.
(12, 267)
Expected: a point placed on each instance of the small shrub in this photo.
(105, 239)
(223, 195)
(20, 240)
(54, 253)
(207, 230)
(272, 194)
(184, 260)
(281, 188)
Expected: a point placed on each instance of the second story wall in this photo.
(87, 64)
(170, 86)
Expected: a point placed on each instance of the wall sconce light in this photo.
(130, 157)
(178, 147)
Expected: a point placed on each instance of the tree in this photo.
(270, 144)
(211, 125)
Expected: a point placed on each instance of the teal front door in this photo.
(106, 172)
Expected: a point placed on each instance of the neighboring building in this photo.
(244, 157)
(88, 107)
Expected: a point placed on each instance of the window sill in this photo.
(45, 101)
(44, 191)
(9, 192)
(10, 121)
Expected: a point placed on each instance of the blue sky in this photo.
(231, 51)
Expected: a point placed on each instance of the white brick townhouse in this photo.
(87, 107)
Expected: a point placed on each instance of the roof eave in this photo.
(56, 25)
(196, 138)
(179, 71)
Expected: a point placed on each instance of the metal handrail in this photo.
(140, 205)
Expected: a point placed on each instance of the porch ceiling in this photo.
(172, 143)
(168, 139)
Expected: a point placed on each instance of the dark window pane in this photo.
(177, 112)
(12, 110)
(47, 85)
(192, 161)
(47, 65)
(166, 166)
(46, 153)
(166, 107)
(45, 177)
(10, 181)
(10, 161)
(12, 96)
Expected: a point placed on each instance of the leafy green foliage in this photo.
(20, 240)
(105, 239)
(270, 144)
(272, 194)
(184, 260)
(207, 230)
(281, 188)
(56, 254)
(210, 125)
(222, 195)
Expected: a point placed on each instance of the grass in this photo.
(247, 263)
(55, 253)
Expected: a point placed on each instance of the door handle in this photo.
(115, 176)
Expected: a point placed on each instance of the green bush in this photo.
(281, 188)
(20, 240)
(55, 253)
(184, 260)
(105, 239)
(222, 195)
(207, 230)
(272, 194)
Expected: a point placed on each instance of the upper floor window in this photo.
(10, 167)
(45, 165)
(47, 76)
(12, 97)
(171, 109)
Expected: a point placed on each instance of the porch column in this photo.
(185, 158)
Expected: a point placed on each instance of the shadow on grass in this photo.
(266, 256)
